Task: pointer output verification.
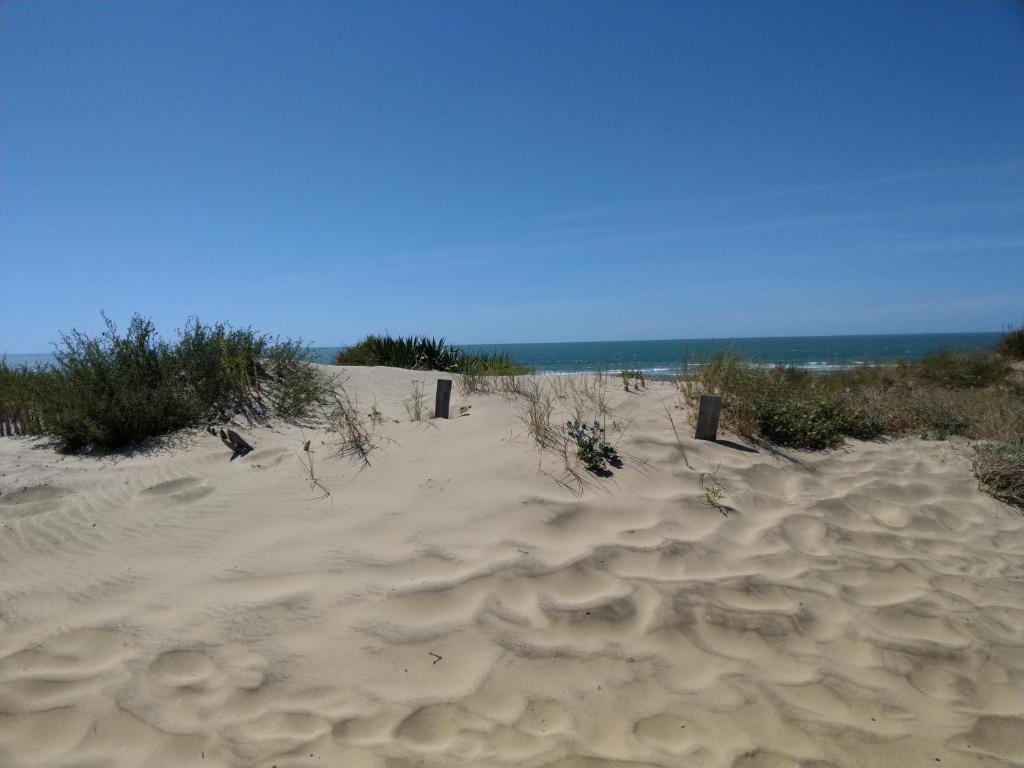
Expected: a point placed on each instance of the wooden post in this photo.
(444, 394)
(240, 445)
(707, 417)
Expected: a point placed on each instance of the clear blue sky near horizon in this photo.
(511, 172)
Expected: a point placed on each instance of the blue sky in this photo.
(515, 171)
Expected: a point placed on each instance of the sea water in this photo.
(663, 357)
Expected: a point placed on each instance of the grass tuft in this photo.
(999, 468)
(1012, 344)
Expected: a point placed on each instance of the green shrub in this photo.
(1012, 344)
(999, 468)
(220, 365)
(795, 411)
(299, 388)
(114, 389)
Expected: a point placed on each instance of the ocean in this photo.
(664, 357)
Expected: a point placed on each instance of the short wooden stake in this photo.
(240, 445)
(444, 395)
(707, 417)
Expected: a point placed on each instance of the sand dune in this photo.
(457, 604)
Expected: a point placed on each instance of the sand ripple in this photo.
(454, 606)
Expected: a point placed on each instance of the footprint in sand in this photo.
(667, 732)
(543, 716)
(180, 689)
(276, 732)
(31, 501)
(183, 669)
(182, 489)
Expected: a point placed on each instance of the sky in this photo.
(511, 171)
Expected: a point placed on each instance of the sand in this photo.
(461, 603)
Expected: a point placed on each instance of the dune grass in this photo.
(26, 393)
(999, 467)
(1012, 344)
(117, 388)
(973, 395)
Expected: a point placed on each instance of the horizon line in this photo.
(4, 353)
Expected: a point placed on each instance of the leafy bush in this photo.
(114, 389)
(117, 389)
(804, 416)
(423, 353)
(298, 387)
(999, 468)
(220, 365)
(592, 447)
(1012, 344)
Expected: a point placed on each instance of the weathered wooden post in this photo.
(444, 395)
(240, 445)
(707, 417)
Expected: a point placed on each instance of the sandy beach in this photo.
(462, 602)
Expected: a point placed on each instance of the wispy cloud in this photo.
(809, 189)
(953, 244)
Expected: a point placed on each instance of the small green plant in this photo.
(534, 405)
(592, 446)
(416, 401)
(306, 459)
(375, 416)
(713, 495)
(713, 490)
(357, 440)
(634, 374)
